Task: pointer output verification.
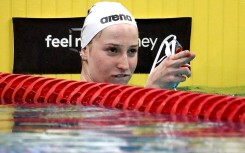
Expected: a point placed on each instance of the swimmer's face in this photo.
(113, 54)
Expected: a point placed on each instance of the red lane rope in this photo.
(54, 90)
(34, 90)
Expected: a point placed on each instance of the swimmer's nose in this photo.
(123, 62)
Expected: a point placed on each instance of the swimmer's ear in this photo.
(84, 53)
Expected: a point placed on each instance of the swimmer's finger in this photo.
(182, 54)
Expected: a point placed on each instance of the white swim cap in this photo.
(102, 15)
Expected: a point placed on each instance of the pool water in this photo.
(79, 129)
(238, 91)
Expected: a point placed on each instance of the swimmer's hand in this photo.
(171, 70)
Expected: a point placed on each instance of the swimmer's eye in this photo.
(113, 49)
(132, 51)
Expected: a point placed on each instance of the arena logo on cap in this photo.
(115, 17)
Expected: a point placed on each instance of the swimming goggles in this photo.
(172, 46)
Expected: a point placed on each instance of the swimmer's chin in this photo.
(120, 79)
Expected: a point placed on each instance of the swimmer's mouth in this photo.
(121, 75)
